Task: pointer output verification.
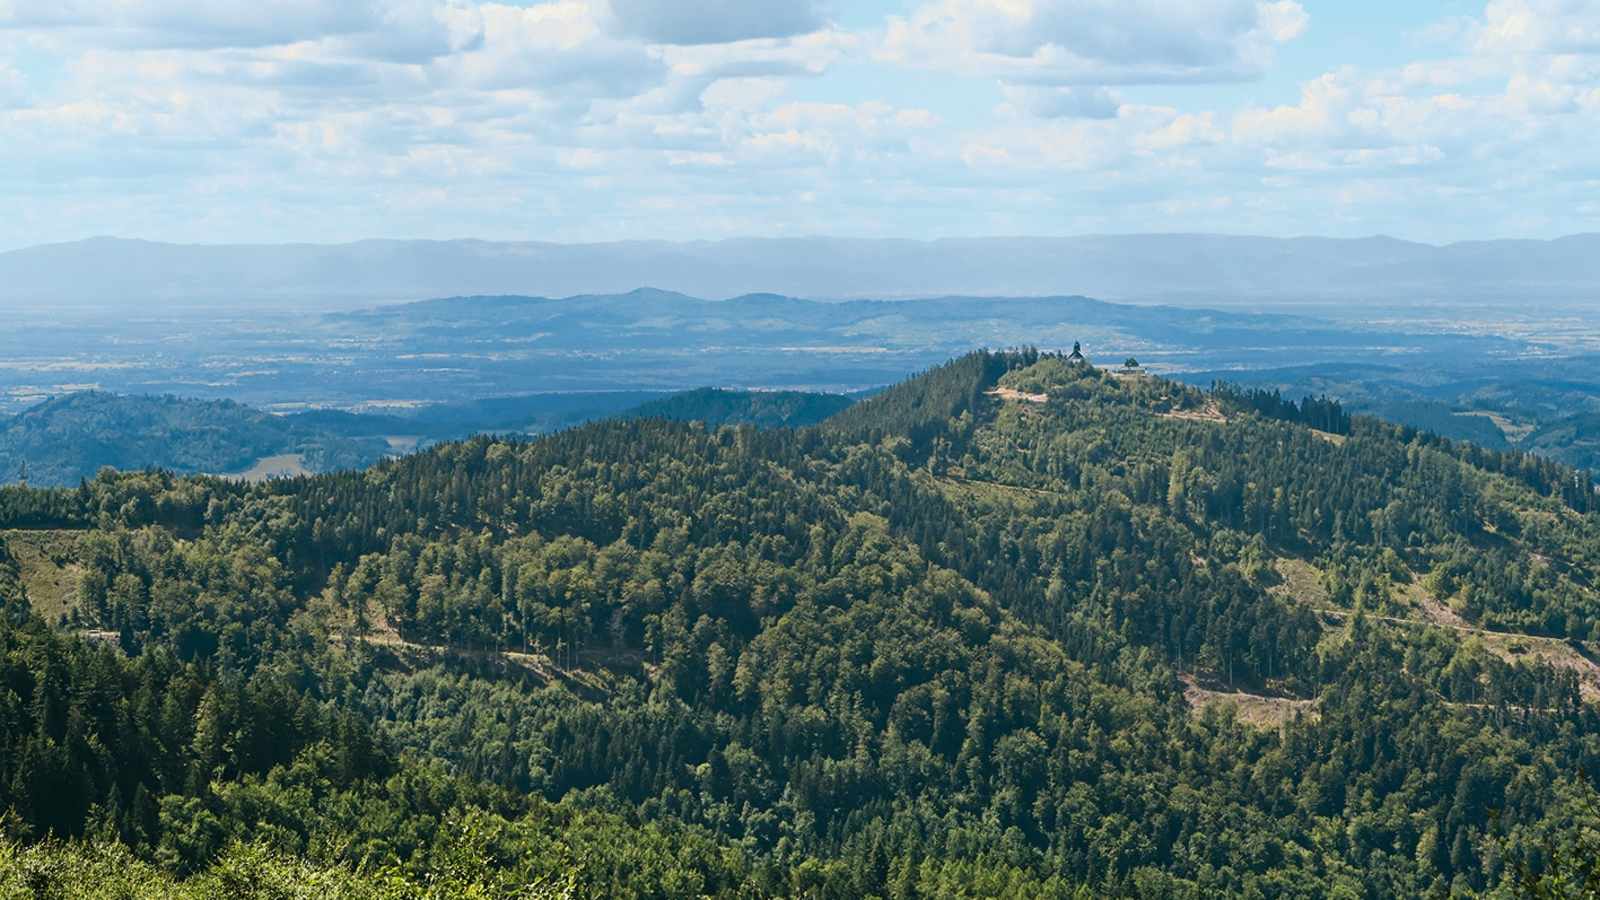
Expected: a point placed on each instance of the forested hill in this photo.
(763, 409)
(69, 438)
(1014, 628)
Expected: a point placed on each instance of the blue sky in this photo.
(584, 120)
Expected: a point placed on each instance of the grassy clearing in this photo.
(1514, 432)
(50, 571)
(1299, 581)
(284, 465)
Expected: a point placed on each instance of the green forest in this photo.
(1016, 627)
(70, 437)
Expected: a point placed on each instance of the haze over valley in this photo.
(535, 364)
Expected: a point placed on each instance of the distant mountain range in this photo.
(1192, 269)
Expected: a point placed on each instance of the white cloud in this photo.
(809, 54)
(612, 118)
(420, 30)
(400, 30)
(1096, 41)
(810, 133)
(12, 86)
(1187, 129)
(713, 21)
(554, 45)
(1104, 146)
(1504, 117)
(1048, 102)
(1540, 26)
(743, 94)
(1324, 103)
(694, 73)
(1365, 159)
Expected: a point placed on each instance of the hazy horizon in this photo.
(818, 236)
(1196, 270)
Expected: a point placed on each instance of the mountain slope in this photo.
(991, 630)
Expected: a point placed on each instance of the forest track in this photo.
(1341, 614)
(591, 678)
(1211, 412)
(1000, 485)
(1021, 396)
(1582, 657)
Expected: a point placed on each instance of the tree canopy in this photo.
(948, 642)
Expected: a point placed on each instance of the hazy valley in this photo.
(413, 373)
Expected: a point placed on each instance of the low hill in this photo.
(535, 414)
(764, 409)
(522, 414)
(69, 438)
(1574, 439)
(530, 414)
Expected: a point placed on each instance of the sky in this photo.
(599, 120)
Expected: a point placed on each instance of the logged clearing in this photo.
(284, 465)
(1509, 646)
(593, 673)
(1512, 647)
(1254, 710)
(402, 443)
(1438, 613)
(1211, 412)
(1299, 581)
(1005, 393)
(1559, 654)
(956, 483)
(50, 571)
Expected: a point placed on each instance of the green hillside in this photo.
(1575, 439)
(1014, 628)
(69, 438)
(763, 409)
